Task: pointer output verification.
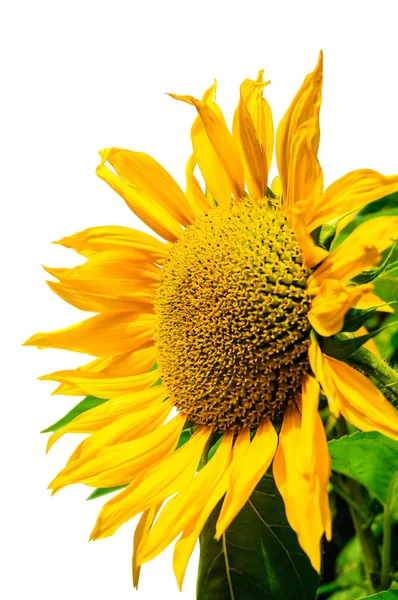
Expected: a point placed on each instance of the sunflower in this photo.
(212, 337)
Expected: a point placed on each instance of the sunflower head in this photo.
(232, 333)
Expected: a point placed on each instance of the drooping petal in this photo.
(120, 464)
(222, 143)
(186, 543)
(144, 185)
(352, 192)
(302, 483)
(331, 304)
(102, 335)
(141, 534)
(102, 385)
(247, 473)
(116, 238)
(194, 193)
(152, 486)
(298, 136)
(360, 251)
(312, 254)
(180, 510)
(309, 408)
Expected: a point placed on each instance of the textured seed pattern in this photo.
(232, 333)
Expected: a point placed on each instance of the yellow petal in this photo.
(312, 254)
(247, 473)
(120, 464)
(304, 108)
(138, 302)
(101, 385)
(152, 486)
(276, 186)
(371, 300)
(260, 112)
(309, 408)
(246, 133)
(360, 251)
(114, 409)
(180, 510)
(102, 335)
(324, 376)
(185, 545)
(352, 192)
(127, 428)
(358, 399)
(304, 494)
(221, 142)
(146, 200)
(140, 536)
(331, 304)
(194, 193)
(370, 344)
(116, 238)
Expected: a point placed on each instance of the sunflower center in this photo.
(232, 332)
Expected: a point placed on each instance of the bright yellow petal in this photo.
(120, 464)
(140, 536)
(103, 335)
(101, 385)
(260, 112)
(324, 376)
(185, 545)
(144, 198)
(246, 474)
(304, 494)
(309, 409)
(371, 300)
(276, 186)
(152, 486)
(111, 411)
(360, 251)
(359, 400)
(180, 510)
(352, 192)
(312, 254)
(222, 143)
(331, 304)
(194, 193)
(253, 156)
(138, 302)
(116, 238)
(304, 109)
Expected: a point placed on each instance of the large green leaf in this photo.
(85, 404)
(368, 457)
(343, 345)
(258, 557)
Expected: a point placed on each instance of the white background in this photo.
(77, 76)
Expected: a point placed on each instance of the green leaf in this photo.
(387, 267)
(103, 491)
(343, 345)
(367, 457)
(258, 557)
(387, 595)
(85, 404)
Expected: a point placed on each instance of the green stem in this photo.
(385, 579)
(339, 488)
(370, 553)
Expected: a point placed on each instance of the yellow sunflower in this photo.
(215, 332)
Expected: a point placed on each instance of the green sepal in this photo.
(367, 457)
(356, 317)
(324, 235)
(258, 556)
(154, 367)
(97, 493)
(385, 269)
(343, 345)
(270, 193)
(86, 404)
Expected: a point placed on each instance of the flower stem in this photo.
(370, 553)
(385, 579)
(374, 366)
